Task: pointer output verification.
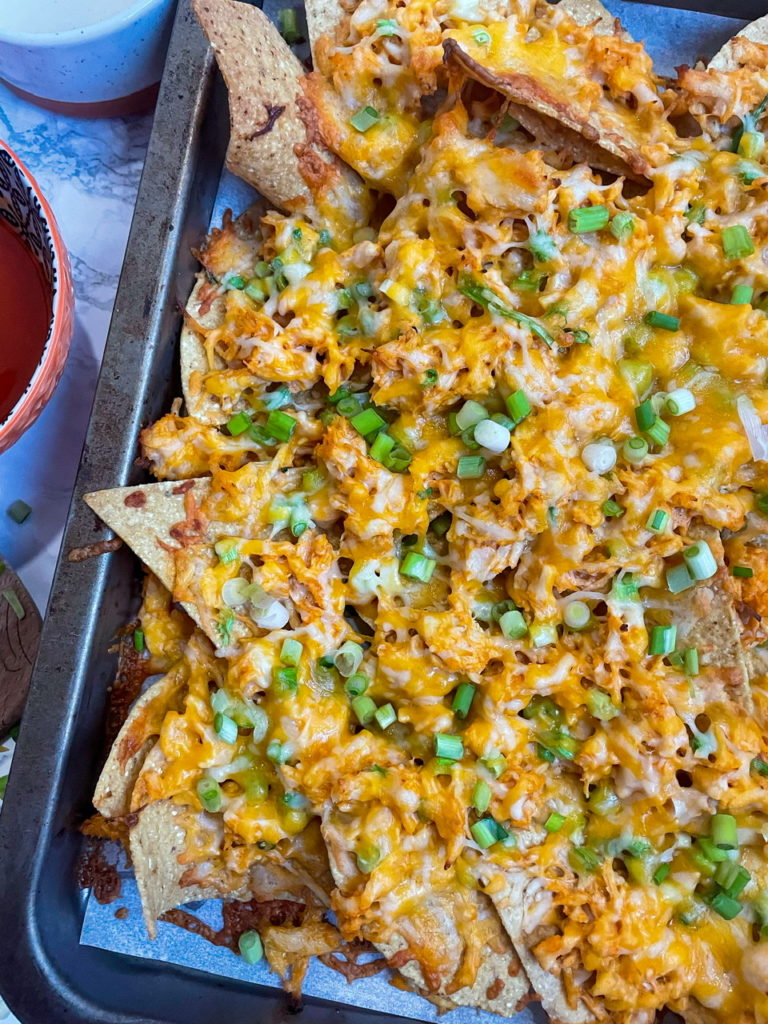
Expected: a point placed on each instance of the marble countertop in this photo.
(89, 171)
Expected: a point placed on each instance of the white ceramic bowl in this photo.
(94, 59)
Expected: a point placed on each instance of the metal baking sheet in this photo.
(46, 974)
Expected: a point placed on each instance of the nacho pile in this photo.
(458, 554)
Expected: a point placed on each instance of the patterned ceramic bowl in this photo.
(24, 211)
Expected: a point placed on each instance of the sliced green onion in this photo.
(554, 822)
(138, 640)
(662, 640)
(638, 374)
(417, 567)
(278, 752)
(289, 30)
(226, 551)
(448, 746)
(588, 218)
(612, 509)
(462, 699)
(492, 436)
(357, 684)
(249, 943)
(387, 27)
(470, 414)
(367, 856)
(732, 878)
(365, 118)
(751, 145)
(582, 858)
(19, 511)
(291, 651)
(225, 727)
(441, 524)
(624, 587)
(691, 661)
(710, 851)
(737, 242)
(634, 449)
(661, 873)
(577, 615)
(470, 467)
(541, 245)
(603, 800)
(542, 634)
(658, 432)
(367, 421)
(743, 572)
(679, 402)
(489, 300)
(429, 378)
(678, 579)
(495, 764)
(485, 832)
(665, 322)
(742, 295)
(286, 678)
(657, 521)
(690, 912)
(382, 446)
(601, 706)
(348, 658)
(724, 832)
(238, 424)
(726, 906)
(622, 225)
(599, 457)
(759, 766)
(280, 425)
(385, 715)
(364, 709)
(481, 36)
(645, 415)
(518, 406)
(696, 213)
(700, 560)
(513, 625)
(481, 796)
(209, 794)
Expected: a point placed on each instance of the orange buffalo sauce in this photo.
(25, 314)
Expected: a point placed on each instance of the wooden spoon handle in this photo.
(20, 625)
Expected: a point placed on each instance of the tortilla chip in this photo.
(516, 907)
(590, 12)
(732, 55)
(552, 120)
(194, 361)
(134, 742)
(144, 515)
(322, 18)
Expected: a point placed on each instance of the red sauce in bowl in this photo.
(25, 316)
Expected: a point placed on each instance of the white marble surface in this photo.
(89, 171)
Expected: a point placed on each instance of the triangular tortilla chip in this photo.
(727, 57)
(322, 18)
(590, 12)
(194, 361)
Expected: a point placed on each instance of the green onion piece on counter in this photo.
(286, 678)
(601, 706)
(665, 322)
(723, 831)
(19, 511)
(15, 604)
(348, 658)
(485, 832)
(588, 218)
(238, 424)
(481, 796)
(577, 615)
(289, 25)
(732, 878)
(367, 421)
(367, 856)
(387, 27)
(385, 715)
(612, 509)
(661, 873)
(657, 521)
(658, 432)
(209, 794)
(700, 560)
(662, 640)
(225, 727)
(448, 746)
(554, 822)
(365, 118)
(138, 640)
(513, 624)
(622, 225)
(291, 651)
(743, 572)
(249, 943)
(679, 402)
(280, 425)
(470, 467)
(634, 449)
(759, 766)
(462, 699)
(678, 579)
(481, 37)
(364, 709)
(357, 684)
(582, 858)
(725, 906)
(417, 567)
(737, 242)
(518, 406)
(742, 295)
(470, 414)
